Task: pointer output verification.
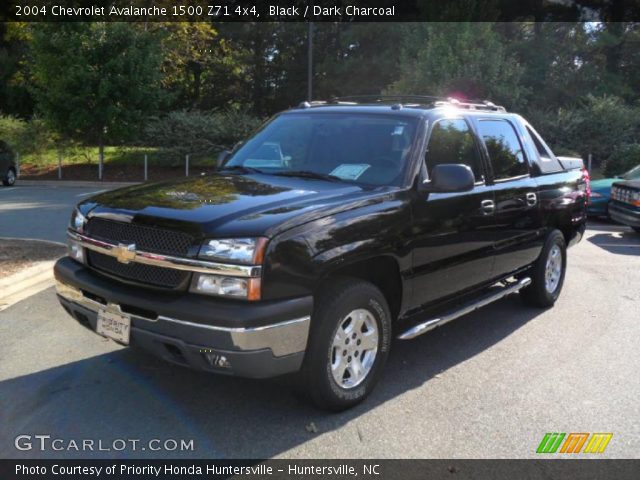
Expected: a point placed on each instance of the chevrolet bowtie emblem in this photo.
(125, 253)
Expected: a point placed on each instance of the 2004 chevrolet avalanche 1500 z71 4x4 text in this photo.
(337, 225)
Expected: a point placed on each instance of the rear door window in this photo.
(504, 148)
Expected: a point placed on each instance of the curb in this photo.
(26, 283)
(41, 240)
(72, 183)
(24, 278)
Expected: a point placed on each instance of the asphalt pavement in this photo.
(39, 211)
(489, 385)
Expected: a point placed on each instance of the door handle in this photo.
(532, 199)
(487, 206)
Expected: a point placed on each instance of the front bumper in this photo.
(625, 214)
(255, 340)
(598, 206)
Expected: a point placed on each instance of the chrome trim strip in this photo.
(235, 329)
(283, 338)
(430, 324)
(168, 261)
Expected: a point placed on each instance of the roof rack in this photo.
(484, 105)
(398, 101)
(406, 99)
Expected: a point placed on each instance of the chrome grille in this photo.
(138, 272)
(625, 194)
(148, 239)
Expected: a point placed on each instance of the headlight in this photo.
(77, 221)
(224, 286)
(596, 195)
(249, 251)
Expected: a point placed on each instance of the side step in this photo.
(432, 323)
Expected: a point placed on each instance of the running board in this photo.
(432, 323)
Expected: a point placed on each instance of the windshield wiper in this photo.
(240, 169)
(309, 174)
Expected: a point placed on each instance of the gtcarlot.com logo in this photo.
(45, 443)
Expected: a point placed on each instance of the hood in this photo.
(228, 205)
(633, 184)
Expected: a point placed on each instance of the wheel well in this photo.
(383, 272)
(568, 232)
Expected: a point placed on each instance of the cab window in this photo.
(452, 141)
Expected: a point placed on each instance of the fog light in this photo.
(76, 251)
(215, 360)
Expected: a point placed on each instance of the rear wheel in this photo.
(348, 346)
(9, 178)
(547, 274)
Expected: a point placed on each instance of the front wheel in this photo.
(547, 273)
(349, 344)
(9, 178)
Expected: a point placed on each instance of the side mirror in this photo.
(449, 178)
(223, 156)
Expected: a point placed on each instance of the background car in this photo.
(601, 192)
(8, 170)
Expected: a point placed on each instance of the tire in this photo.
(9, 178)
(344, 304)
(543, 291)
(637, 229)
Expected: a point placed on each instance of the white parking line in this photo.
(5, 189)
(617, 245)
(91, 193)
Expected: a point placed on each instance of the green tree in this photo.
(95, 82)
(596, 125)
(465, 60)
(15, 97)
(200, 68)
(356, 58)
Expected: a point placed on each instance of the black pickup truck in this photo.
(334, 228)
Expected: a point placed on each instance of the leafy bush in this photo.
(622, 160)
(25, 137)
(599, 125)
(199, 134)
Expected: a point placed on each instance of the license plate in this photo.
(114, 325)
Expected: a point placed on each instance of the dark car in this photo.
(8, 169)
(625, 203)
(337, 226)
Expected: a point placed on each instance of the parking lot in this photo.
(488, 385)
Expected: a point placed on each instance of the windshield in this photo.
(632, 174)
(359, 148)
